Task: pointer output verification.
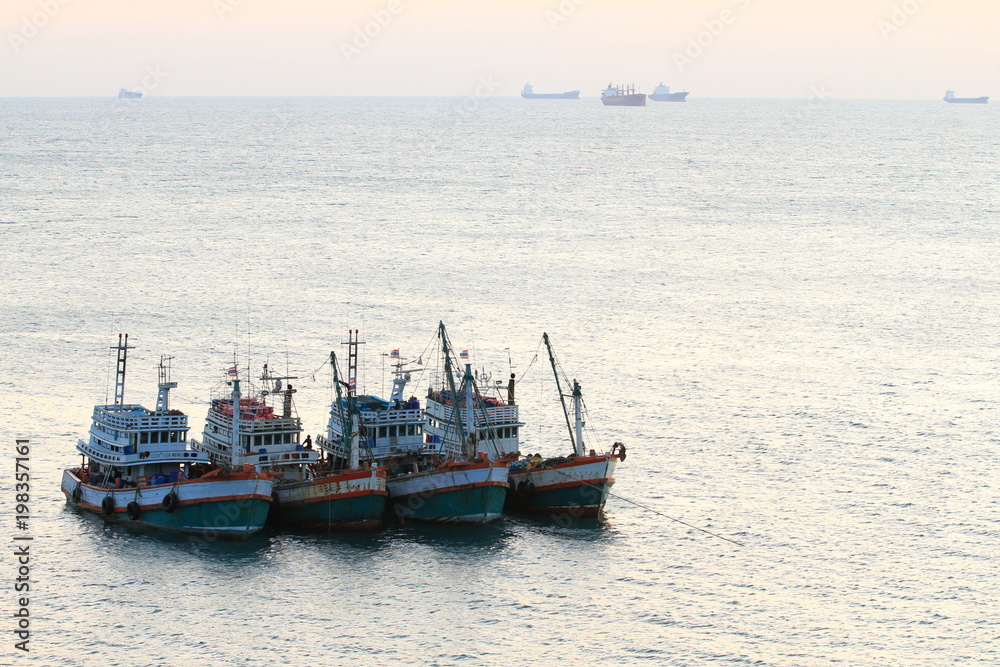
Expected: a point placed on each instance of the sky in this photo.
(848, 49)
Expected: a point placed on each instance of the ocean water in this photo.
(787, 311)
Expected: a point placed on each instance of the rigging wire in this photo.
(107, 380)
(621, 497)
(530, 363)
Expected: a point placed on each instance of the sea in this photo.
(786, 310)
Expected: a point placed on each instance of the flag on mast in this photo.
(464, 354)
(232, 371)
(394, 354)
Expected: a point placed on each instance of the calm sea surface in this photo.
(788, 312)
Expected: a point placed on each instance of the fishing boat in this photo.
(125, 94)
(430, 478)
(137, 468)
(496, 421)
(306, 493)
(622, 96)
(529, 94)
(577, 484)
(662, 94)
(950, 98)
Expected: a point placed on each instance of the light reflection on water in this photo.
(790, 322)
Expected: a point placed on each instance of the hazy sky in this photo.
(906, 49)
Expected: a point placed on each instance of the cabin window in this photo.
(513, 431)
(132, 439)
(411, 430)
(268, 439)
(420, 429)
(143, 438)
(392, 431)
(382, 431)
(257, 440)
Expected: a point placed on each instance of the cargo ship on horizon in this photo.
(662, 94)
(950, 98)
(529, 94)
(622, 96)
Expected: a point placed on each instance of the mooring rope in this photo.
(654, 511)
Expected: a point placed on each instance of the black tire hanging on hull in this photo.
(169, 502)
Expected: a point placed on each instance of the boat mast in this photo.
(470, 410)
(562, 398)
(352, 360)
(578, 413)
(451, 382)
(399, 381)
(123, 348)
(236, 420)
(163, 397)
(347, 425)
(286, 393)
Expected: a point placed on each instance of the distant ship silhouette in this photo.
(950, 98)
(529, 94)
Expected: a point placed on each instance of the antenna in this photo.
(163, 397)
(276, 388)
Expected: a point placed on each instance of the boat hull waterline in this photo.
(668, 97)
(579, 487)
(469, 494)
(354, 500)
(637, 100)
(571, 95)
(227, 508)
